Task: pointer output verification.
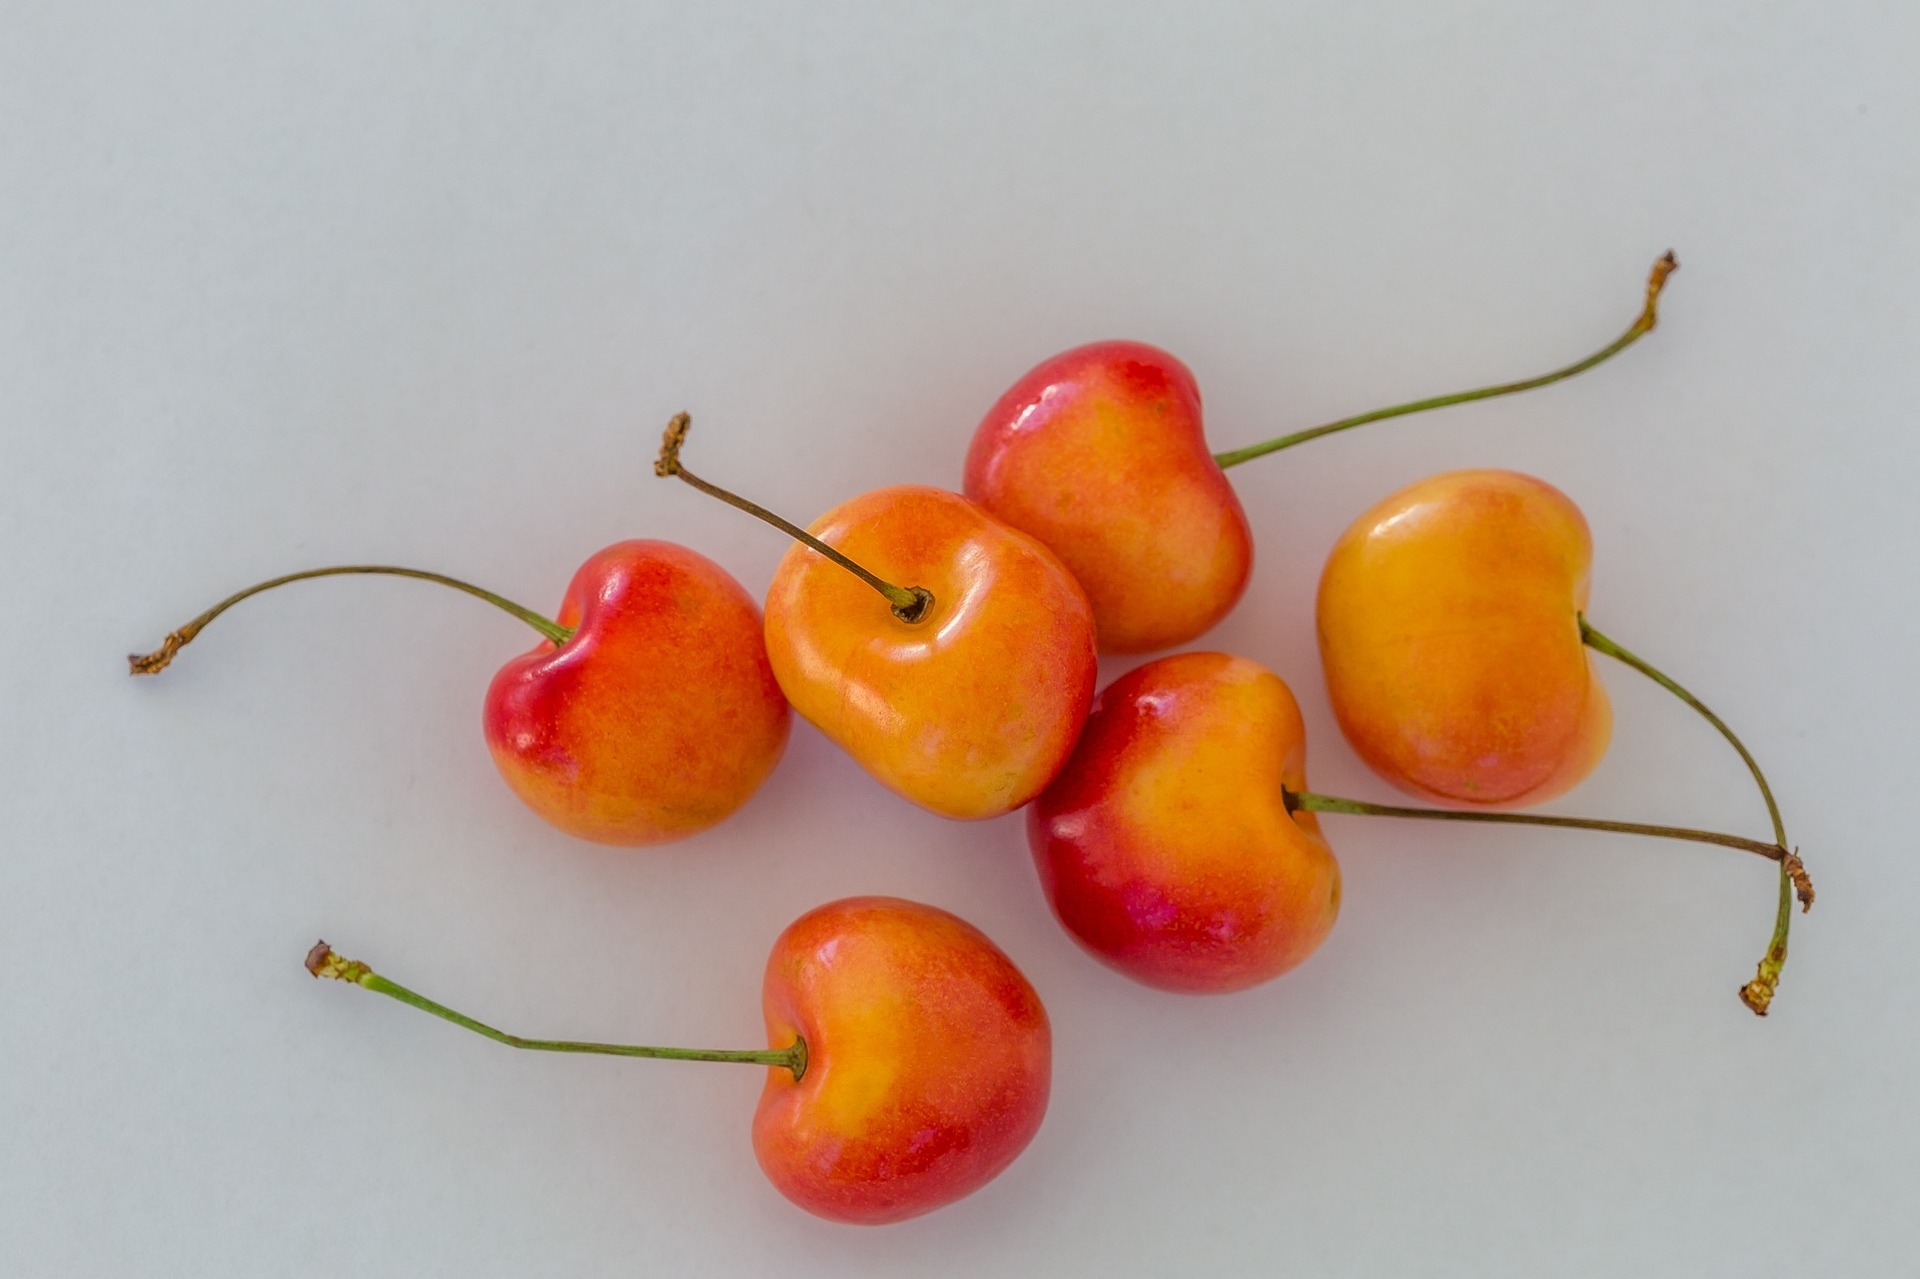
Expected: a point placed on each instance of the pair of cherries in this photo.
(1170, 822)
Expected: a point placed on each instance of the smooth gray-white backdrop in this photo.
(299, 284)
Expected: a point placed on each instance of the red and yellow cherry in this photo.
(1449, 623)
(1180, 846)
(647, 713)
(1166, 846)
(1100, 453)
(1453, 631)
(930, 1061)
(910, 1060)
(658, 717)
(970, 709)
(963, 693)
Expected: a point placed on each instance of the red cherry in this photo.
(658, 718)
(649, 712)
(930, 1061)
(1100, 453)
(1166, 846)
(910, 1060)
(1179, 845)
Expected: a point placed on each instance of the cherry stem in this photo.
(910, 603)
(155, 662)
(1641, 326)
(323, 962)
(1309, 801)
(1794, 881)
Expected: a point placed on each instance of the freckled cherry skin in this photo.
(1449, 629)
(1165, 846)
(658, 718)
(968, 712)
(929, 1059)
(1100, 453)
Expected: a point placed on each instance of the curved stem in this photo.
(155, 662)
(1794, 881)
(1641, 326)
(909, 603)
(1592, 638)
(1311, 802)
(323, 962)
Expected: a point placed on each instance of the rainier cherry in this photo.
(1453, 630)
(647, 712)
(1099, 452)
(909, 1060)
(1179, 845)
(964, 691)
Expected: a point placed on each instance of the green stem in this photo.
(155, 662)
(323, 962)
(1311, 802)
(909, 603)
(1758, 993)
(1641, 326)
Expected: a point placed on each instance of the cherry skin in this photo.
(1166, 847)
(658, 717)
(1449, 626)
(929, 1059)
(970, 709)
(1099, 453)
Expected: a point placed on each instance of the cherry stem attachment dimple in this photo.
(1794, 881)
(1643, 325)
(1312, 802)
(909, 603)
(155, 662)
(323, 962)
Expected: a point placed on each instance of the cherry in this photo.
(1453, 630)
(909, 1063)
(964, 692)
(648, 711)
(1100, 453)
(1180, 844)
(1165, 847)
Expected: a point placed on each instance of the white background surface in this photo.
(291, 285)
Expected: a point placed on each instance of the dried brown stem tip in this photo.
(1758, 994)
(156, 661)
(1802, 882)
(1665, 267)
(668, 463)
(322, 962)
(1656, 281)
(1650, 313)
